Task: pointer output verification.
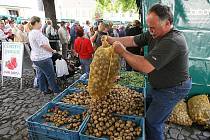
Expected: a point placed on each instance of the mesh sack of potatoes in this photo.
(103, 70)
(199, 109)
(180, 115)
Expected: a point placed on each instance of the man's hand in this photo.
(110, 40)
(119, 48)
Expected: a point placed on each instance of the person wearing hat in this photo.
(63, 36)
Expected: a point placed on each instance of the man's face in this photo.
(1, 25)
(156, 27)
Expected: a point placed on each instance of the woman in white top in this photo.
(41, 54)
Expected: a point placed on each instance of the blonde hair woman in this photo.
(41, 54)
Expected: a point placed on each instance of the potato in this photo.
(180, 115)
(103, 69)
(59, 118)
(199, 109)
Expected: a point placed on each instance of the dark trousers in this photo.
(160, 104)
(64, 50)
(46, 75)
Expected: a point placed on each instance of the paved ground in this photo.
(16, 105)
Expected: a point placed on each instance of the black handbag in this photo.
(77, 61)
(53, 37)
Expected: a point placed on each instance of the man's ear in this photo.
(168, 23)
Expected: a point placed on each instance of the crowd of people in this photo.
(44, 40)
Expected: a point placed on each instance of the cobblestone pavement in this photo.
(16, 105)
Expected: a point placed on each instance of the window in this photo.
(14, 13)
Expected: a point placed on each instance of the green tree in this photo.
(116, 5)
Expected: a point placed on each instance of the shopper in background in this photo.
(52, 35)
(122, 32)
(166, 65)
(132, 31)
(102, 30)
(63, 36)
(84, 49)
(73, 33)
(92, 31)
(45, 27)
(20, 35)
(7, 26)
(87, 29)
(50, 31)
(68, 28)
(3, 36)
(111, 30)
(41, 54)
(115, 31)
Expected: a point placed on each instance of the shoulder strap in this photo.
(81, 44)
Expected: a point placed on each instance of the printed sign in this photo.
(12, 59)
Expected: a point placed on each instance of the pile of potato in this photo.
(80, 86)
(199, 109)
(125, 101)
(79, 98)
(103, 70)
(103, 123)
(120, 100)
(59, 118)
(180, 115)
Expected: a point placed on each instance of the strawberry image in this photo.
(10, 66)
(14, 62)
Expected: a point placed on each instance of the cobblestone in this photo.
(180, 137)
(5, 130)
(174, 133)
(206, 134)
(185, 133)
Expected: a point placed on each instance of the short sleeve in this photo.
(41, 39)
(162, 53)
(142, 39)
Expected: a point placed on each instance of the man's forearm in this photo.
(127, 41)
(137, 62)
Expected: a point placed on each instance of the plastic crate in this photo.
(64, 93)
(72, 86)
(40, 130)
(84, 76)
(79, 81)
(139, 121)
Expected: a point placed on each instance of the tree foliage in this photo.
(116, 5)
